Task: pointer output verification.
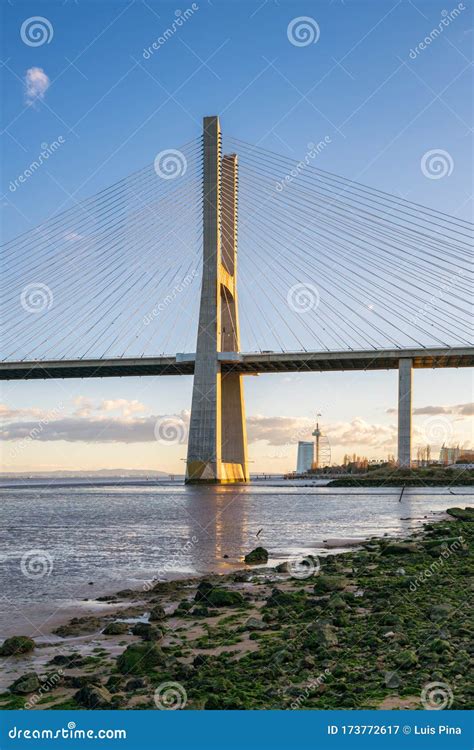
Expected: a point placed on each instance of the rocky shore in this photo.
(385, 625)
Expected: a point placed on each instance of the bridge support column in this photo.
(217, 446)
(405, 376)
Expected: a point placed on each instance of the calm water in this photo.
(121, 535)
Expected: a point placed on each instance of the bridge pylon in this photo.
(217, 446)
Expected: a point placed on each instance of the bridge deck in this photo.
(245, 363)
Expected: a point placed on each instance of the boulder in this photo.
(392, 680)
(224, 598)
(116, 628)
(440, 612)
(136, 683)
(93, 696)
(17, 644)
(258, 555)
(336, 603)
(323, 633)
(461, 514)
(406, 659)
(253, 623)
(326, 584)
(204, 588)
(157, 613)
(138, 658)
(147, 632)
(280, 598)
(27, 683)
(400, 548)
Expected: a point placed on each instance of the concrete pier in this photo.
(217, 446)
(405, 376)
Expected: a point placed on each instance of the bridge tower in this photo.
(217, 446)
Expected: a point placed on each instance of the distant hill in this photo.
(100, 473)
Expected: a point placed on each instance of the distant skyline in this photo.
(382, 101)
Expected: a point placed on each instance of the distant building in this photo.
(449, 455)
(305, 456)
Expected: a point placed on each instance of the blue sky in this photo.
(115, 108)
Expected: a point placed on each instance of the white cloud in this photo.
(463, 410)
(7, 412)
(36, 85)
(124, 406)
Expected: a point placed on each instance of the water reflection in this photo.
(103, 539)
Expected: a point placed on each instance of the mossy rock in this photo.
(93, 696)
(157, 613)
(223, 598)
(400, 548)
(27, 683)
(406, 659)
(327, 583)
(280, 598)
(256, 556)
(202, 592)
(440, 612)
(116, 628)
(200, 611)
(321, 633)
(461, 514)
(139, 658)
(147, 632)
(253, 623)
(336, 603)
(17, 644)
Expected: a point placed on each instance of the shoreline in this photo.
(99, 602)
(260, 637)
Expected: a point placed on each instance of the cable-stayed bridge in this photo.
(142, 279)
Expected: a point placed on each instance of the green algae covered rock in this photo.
(25, 684)
(115, 628)
(400, 548)
(223, 598)
(326, 584)
(139, 658)
(93, 696)
(17, 644)
(157, 613)
(258, 555)
(461, 514)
